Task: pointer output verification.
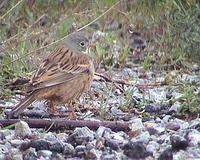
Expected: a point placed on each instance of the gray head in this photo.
(77, 41)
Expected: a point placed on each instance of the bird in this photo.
(62, 77)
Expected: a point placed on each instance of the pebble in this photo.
(175, 108)
(85, 132)
(16, 142)
(136, 150)
(143, 137)
(4, 133)
(44, 153)
(68, 149)
(109, 156)
(81, 136)
(178, 143)
(173, 126)
(136, 124)
(113, 144)
(62, 136)
(159, 128)
(193, 137)
(30, 154)
(166, 118)
(183, 124)
(166, 155)
(152, 147)
(22, 129)
(17, 156)
(155, 108)
(103, 132)
(93, 154)
(80, 150)
(50, 136)
(119, 136)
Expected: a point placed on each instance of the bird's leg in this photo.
(72, 114)
(52, 105)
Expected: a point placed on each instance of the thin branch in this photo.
(2, 17)
(64, 123)
(123, 82)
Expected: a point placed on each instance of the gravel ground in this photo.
(155, 132)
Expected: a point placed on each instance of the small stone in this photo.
(163, 139)
(57, 156)
(156, 108)
(113, 144)
(5, 133)
(158, 120)
(120, 136)
(2, 136)
(16, 142)
(152, 131)
(117, 112)
(160, 128)
(152, 147)
(109, 156)
(193, 137)
(84, 132)
(175, 108)
(166, 155)
(93, 154)
(68, 149)
(30, 154)
(166, 118)
(143, 137)
(16, 155)
(178, 143)
(8, 156)
(154, 128)
(2, 156)
(22, 129)
(103, 132)
(39, 106)
(183, 124)
(80, 150)
(136, 150)
(81, 136)
(183, 155)
(136, 124)
(62, 136)
(50, 136)
(40, 144)
(173, 126)
(44, 153)
(149, 124)
(100, 143)
(56, 147)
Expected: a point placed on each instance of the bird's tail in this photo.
(19, 108)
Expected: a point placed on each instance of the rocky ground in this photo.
(155, 131)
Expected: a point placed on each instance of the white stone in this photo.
(22, 129)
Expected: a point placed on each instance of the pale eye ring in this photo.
(82, 44)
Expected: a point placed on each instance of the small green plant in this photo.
(190, 99)
(147, 62)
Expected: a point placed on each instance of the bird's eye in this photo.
(82, 44)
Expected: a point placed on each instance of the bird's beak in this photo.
(92, 45)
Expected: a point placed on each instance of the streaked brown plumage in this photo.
(62, 77)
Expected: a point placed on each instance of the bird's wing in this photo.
(61, 66)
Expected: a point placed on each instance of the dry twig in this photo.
(65, 124)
